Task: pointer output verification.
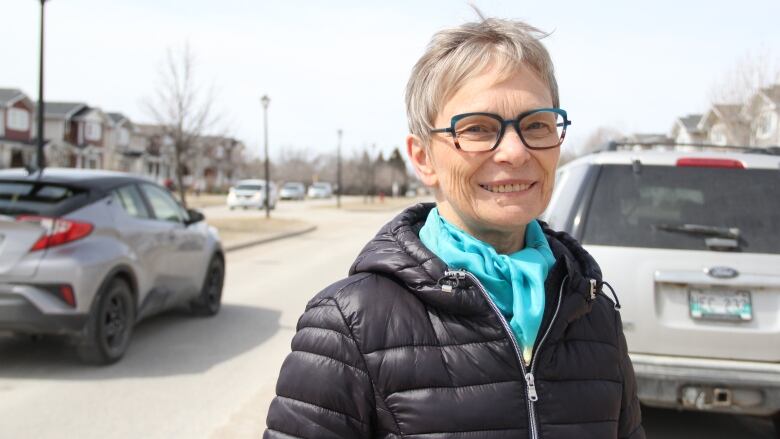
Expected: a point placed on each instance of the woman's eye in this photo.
(477, 129)
(536, 126)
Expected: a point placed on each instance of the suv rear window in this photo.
(38, 198)
(639, 209)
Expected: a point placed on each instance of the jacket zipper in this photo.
(533, 396)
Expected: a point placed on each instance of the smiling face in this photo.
(491, 195)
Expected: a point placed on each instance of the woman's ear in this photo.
(422, 160)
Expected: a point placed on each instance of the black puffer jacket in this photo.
(390, 352)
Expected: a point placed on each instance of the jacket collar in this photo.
(398, 253)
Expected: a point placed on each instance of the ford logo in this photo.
(723, 272)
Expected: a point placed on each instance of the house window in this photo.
(718, 135)
(93, 131)
(766, 125)
(124, 137)
(18, 119)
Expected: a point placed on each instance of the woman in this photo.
(468, 319)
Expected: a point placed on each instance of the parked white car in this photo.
(320, 190)
(690, 243)
(292, 190)
(251, 193)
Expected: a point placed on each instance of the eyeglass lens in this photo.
(542, 129)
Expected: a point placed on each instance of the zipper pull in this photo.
(593, 284)
(448, 286)
(532, 396)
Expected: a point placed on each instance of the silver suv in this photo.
(90, 253)
(690, 243)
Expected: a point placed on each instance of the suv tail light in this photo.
(710, 163)
(58, 231)
(63, 292)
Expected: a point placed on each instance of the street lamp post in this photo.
(41, 161)
(338, 171)
(265, 100)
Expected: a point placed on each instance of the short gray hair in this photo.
(458, 54)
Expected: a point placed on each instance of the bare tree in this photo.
(295, 164)
(598, 139)
(182, 107)
(749, 74)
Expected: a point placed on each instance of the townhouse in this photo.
(82, 136)
(16, 128)
(754, 123)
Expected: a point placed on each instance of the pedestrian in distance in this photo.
(468, 318)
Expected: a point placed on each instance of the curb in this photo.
(244, 245)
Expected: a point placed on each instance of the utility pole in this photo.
(338, 170)
(265, 100)
(41, 160)
(372, 167)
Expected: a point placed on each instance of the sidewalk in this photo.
(364, 204)
(205, 200)
(238, 233)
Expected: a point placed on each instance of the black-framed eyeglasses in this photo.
(543, 128)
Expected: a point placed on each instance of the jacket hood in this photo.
(397, 252)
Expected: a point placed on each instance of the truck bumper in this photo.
(727, 386)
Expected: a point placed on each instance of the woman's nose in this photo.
(512, 150)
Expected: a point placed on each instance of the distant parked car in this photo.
(88, 254)
(292, 190)
(251, 193)
(689, 240)
(320, 190)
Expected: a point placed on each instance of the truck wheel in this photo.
(109, 326)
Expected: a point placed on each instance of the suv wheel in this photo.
(110, 325)
(210, 298)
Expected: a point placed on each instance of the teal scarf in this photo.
(514, 282)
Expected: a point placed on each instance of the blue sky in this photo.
(633, 65)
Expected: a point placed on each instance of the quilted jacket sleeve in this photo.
(630, 423)
(323, 389)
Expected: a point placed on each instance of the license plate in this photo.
(712, 304)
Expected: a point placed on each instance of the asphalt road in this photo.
(214, 377)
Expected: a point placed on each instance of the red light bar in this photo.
(710, 163)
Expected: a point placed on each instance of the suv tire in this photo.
(110, 325)
(210, 299)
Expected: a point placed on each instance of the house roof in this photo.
(727, 112)
(691, 122)
(9, 95)
(86, 111)
(62, 110)
(772, 92)
(116, 117)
